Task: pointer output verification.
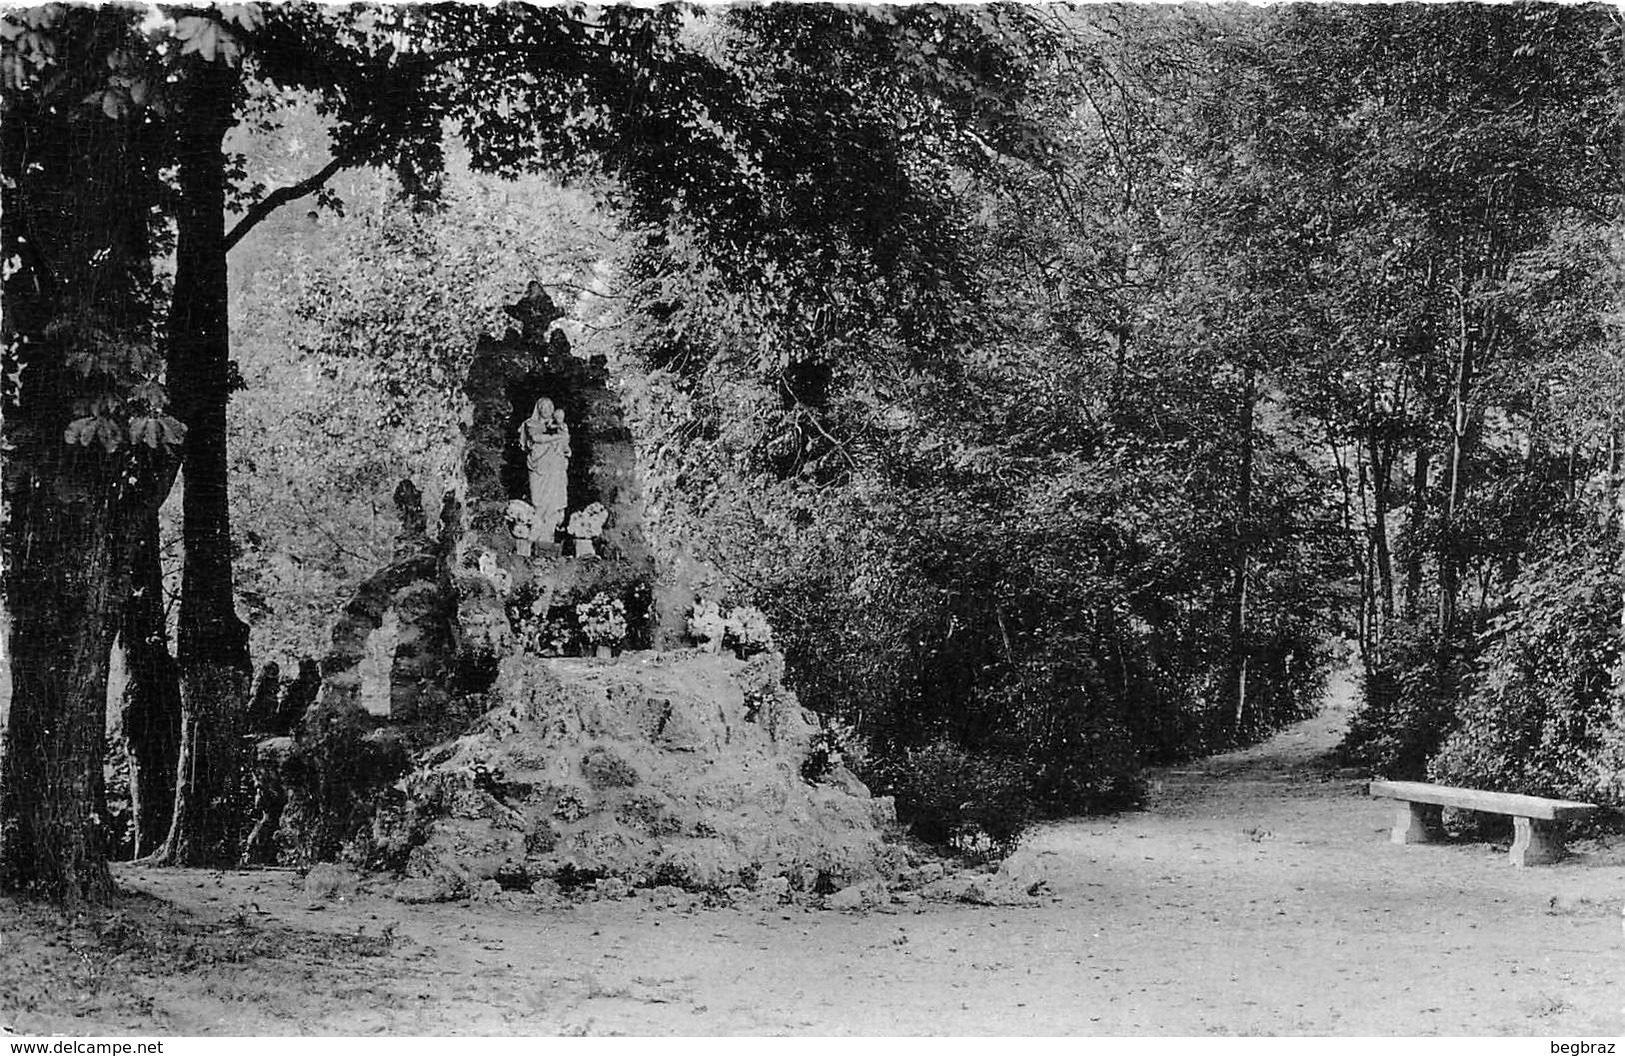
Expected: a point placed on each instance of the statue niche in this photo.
(550, 497)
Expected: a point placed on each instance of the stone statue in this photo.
(546, 440)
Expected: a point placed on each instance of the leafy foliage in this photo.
(1410, 705)
(1447, 190)
(1539, 708)
(1011, 534)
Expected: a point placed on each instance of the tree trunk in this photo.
(213, 647)
(61, 599)
(1414, 530)
(1381, 466)
(1370, 620)
(1449, 557)
(1356, 554)
(151, 708)
(1240, 556)
(74, 221)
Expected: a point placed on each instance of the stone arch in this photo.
(407, 603)
(419, 658)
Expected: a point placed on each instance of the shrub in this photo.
(1605, 765)
(977, 803)
(1537, 713)
(1092, 768)
(1410, 704)
(1063, 721)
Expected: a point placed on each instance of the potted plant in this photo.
(603, 623)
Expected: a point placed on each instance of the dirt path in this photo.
(1257, 894)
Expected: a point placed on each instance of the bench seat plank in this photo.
(1488, 802)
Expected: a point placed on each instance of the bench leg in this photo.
(1416, 823)
(1536, 842)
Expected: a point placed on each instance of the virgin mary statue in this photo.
(546, 440)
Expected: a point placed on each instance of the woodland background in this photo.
(1063, 383)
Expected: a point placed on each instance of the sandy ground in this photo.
(1257, 895)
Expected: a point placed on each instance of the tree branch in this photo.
(280, 197)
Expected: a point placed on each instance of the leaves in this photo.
(210, 39)
(95, 429)
(247, 17)
(80, 430)
(157, 431)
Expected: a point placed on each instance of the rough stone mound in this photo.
(680, 769)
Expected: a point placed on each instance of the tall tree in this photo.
(83, 420)
(214, 666)
(214, 57)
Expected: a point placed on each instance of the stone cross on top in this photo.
(535, 312)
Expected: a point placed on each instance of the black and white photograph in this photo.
(792, 520)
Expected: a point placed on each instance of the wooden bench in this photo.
(1536, 822)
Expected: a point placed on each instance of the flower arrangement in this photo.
(521, 517)
(743, 628)
(537, 633)
(602, 620)
(706, 625)
(588, 522)
(747, 630)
